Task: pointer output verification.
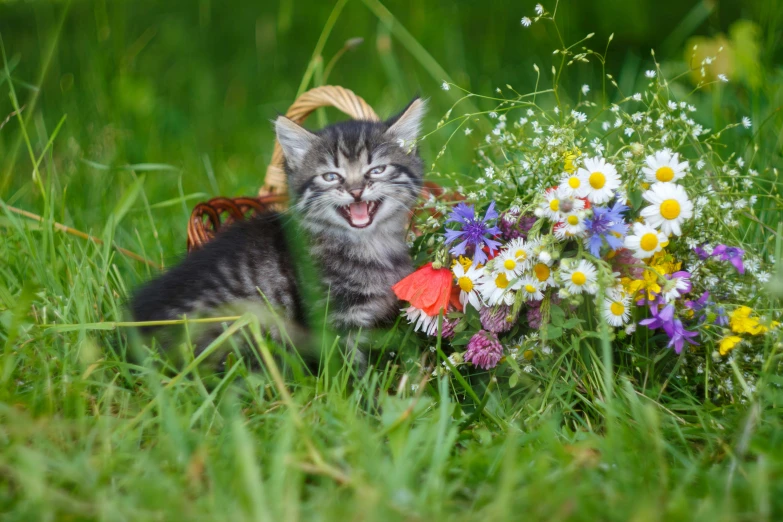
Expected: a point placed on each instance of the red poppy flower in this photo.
(491, 254)
(427, 289)
(454, 298)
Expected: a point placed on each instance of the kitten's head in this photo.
(357, 176)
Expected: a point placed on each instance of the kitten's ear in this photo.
(295, 140)
(407, 125)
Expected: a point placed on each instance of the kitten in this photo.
(353, 185)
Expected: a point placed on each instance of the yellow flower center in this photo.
(664, 174)
(501, 281)
(670, 209)
(465, 284)
(520, 254)
(597, 180)
(574, 182)
(541, 271)
(530, 289)
(510, 264)
(617, 308)
(554, 205)
(649, 241)
(528, 355)
(578, 278)
(573, 220)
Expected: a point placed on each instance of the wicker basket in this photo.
(208, 218)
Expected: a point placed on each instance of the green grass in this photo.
(87, 434)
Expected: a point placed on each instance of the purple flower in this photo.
(606, 226)
(681, 284)
(678, 335)
(660, 318)
(474, 231)
(533, 316)
(447, 328)
(493, 318)
(699, 304)
(674, 328)
(721, 319)
(512, 225)
(701, 252)
(484, 350)
(730, 254)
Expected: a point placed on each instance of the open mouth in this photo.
(360, 214)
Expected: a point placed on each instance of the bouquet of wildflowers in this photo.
(617, 221)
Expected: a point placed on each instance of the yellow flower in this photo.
(664, 263)
(648, 284)
(466, 262)
(742, 322)
(727, 344)
(569, 160)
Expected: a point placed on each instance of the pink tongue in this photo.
(359, 212)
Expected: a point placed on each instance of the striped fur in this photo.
(354, 162)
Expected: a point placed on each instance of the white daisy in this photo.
(573, 185)
(572, 226)
(542, 271)
(580, 278)
(531, 289)
(467, 281)
(551, 206)
(558, 204)
(645, 240)
(423, 322)
(601, 179)
(496, 289)
(670, 207)
(507, 263)
(664, 167)
(616, 310)
(522, 252)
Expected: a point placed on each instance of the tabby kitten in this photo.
(352, 185)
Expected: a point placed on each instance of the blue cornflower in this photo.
(607, 224)
(474, 231)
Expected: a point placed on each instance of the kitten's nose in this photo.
(356, 193)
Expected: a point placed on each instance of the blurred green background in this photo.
(193, 84)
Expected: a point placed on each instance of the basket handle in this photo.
(325, 96)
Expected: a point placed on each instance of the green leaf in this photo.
(557, 315)
(554, 332)
(124, 204)
(572, 323)
(635, 197)
(461, 338)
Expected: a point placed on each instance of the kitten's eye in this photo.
(377, 170)
(331, 177)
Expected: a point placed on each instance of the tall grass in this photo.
(86, 433)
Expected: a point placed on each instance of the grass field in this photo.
(121, 116)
